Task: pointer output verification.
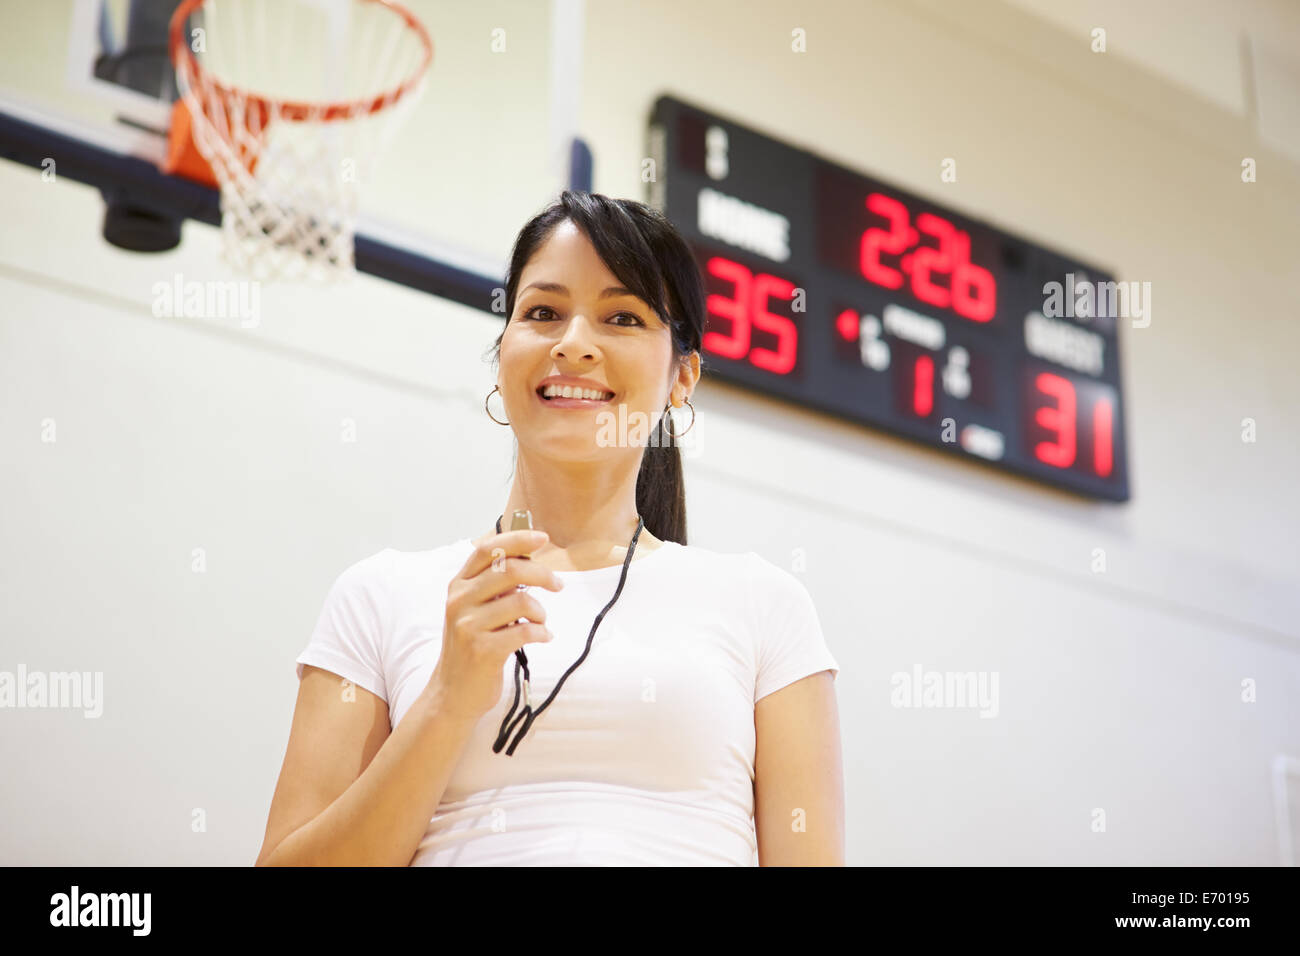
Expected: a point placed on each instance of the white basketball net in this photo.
(289, 176)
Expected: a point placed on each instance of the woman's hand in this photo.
(479, 631)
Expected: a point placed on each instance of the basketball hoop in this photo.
(336, 78)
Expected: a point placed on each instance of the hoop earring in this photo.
(671, 433)
(495, 388)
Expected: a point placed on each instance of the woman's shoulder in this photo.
(701, 555)
(750, 562)
(747, 568)
(766, 590)
(770, 580)
(373, 567)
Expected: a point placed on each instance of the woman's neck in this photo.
(560, 495)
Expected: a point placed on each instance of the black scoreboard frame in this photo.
(829, 374)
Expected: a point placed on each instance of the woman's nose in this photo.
(576, 338)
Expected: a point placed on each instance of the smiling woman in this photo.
(700, 724)
(631, 331)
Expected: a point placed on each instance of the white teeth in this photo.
(568, 391)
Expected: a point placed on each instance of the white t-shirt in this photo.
(646, 755)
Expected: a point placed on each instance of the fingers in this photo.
(504, 611)
(517, 635)
(498, 546)
(509, 575)
(488, 589)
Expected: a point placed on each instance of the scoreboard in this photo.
(839, 292)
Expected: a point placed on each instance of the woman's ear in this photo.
(688, 372)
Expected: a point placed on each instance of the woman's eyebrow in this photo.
(613, 292)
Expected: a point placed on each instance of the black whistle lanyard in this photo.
(528, 715)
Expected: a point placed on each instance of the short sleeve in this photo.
(790, 643)
(348, 637)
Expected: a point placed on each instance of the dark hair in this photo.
(650, 257)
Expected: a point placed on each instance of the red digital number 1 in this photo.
(1103, 426)
(923, 386)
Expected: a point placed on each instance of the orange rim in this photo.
(294, 110)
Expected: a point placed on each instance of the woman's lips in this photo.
(572, 402)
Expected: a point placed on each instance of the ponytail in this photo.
(661, 488)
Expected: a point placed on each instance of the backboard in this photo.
(490, 142)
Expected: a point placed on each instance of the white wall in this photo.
(1118, 690)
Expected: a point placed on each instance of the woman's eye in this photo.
(534, 315)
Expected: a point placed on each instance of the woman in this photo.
(670, 705)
